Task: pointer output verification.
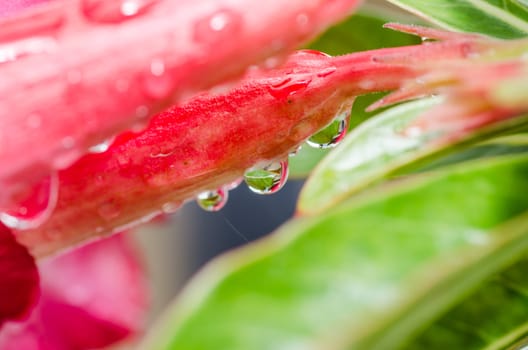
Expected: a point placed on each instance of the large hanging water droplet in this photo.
(286, 87)
(332, 134)
(221, 24)
(35, 206)
(212, 200)
(269, 179)
(105, 11)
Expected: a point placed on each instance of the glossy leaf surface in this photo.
(369, 275)
(499, 18)
(383, 146)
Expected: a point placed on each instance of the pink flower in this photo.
(90, 298)
(20, 281)
(70, 88)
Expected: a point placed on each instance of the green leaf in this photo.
(512, 144)
(350, 36)
(374, 273)
(492, 318)
(370, 152)
(307, 158)
(379, 149)
(499, 18)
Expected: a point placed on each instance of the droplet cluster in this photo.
(272, 177)
(34, 206)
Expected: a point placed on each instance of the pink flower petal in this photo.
(91, 297)
(12, 6)
(76, 72)
(19, 284)
(213, 138)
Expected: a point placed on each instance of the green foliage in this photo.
(382, 264)
(412, 242)
(499, 18)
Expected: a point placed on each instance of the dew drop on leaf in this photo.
(33, 206)
(212, 200)
(267, 180)
(331, 135)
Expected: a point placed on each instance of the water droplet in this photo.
(413, 131)
(101, 147)
(212, 200)
(170, 207)
(303, 23)
(310, 52)
(233, 185)
(157, 67)
(302, 19)
(289, 86)
(68, 142)
(367, 84)
(267, 180)
(294, 151)
(122, 85)
(65, 157)
(34, 121)
(123, 159)
(129, 8)
(105, 11)
(326, 72)
(142, 112)
(22, 48)
(158, 152)
(156, 83)
(427, 40)
(35, 206)
(332, 134)
(109, 210)
(221, 24)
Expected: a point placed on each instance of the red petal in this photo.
(19, 284)
(212, 139)
(10, 7)
(61, 95)
(92, 297)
